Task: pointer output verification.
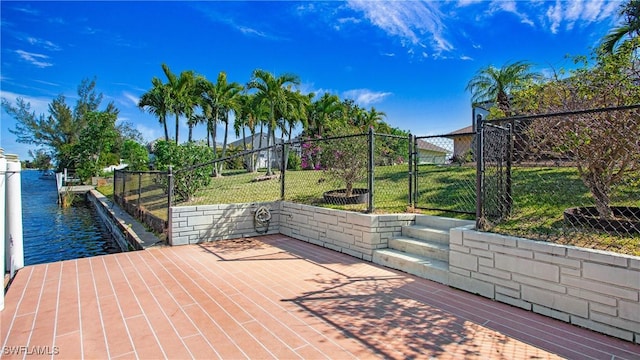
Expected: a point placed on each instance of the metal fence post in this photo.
(411, 204)
(416, 161)
(169, 192)
(124, 189)
(283, 169)
(479, 173)
(115, 181)
(139, 190)
(370, 170)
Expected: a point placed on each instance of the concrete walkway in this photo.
(269, 297)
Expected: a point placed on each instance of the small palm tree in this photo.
(322, 111)
(493, 84)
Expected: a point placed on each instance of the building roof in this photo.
(425, 145)
(256, 138)
(464, 130)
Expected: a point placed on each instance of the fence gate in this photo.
(494, 199)
(445, 173)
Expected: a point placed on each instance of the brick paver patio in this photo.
(268, 297)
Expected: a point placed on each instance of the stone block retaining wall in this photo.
(201, 223)
(119, 230)
(594, 289)
(351, 233)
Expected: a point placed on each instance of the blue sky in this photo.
(409, 59)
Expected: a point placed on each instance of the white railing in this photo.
(11, 239)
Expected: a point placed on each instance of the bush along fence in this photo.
(571, 177)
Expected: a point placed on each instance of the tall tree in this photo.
(219, 99)
(156, 101)
(628, 29)
(59, 130)
(272, 91)
(495, 85)
(180, 94)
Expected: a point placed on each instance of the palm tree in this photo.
(629, 29)
(272, 91)
(228, 97)
(156, 101)
(180, 87)
(322, 111)
(218, 100)
(372, 118)
(491, 84)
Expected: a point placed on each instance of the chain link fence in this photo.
(569, 178)
(144, 195)
(572, 178)
(330, 172)
(336, 172)
(445, 178)
(248, 176)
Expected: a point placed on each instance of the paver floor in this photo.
(268, 297)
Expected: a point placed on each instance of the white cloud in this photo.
(510, 6)
(46, 44)
(34, 59)
(38, 105)
(351, 20)
(365, 97)
(413, 22)
(571, 13)
(132, 98)
(148, 133)
(466, 58)
(249, 31)
(463, 3)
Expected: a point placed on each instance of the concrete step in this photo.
(435, 250)
(426, 233)
(439, 222)
(422, 266)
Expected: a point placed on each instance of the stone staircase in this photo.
(422, 249)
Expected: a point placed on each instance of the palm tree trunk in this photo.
(260, 144)
(244, 148)
(166, 129)
(269, 129)
(214, 135)
(177, 127)
(224, 145)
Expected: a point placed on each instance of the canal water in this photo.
(54, 234)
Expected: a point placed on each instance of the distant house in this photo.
(462, 141)
(429, 153)
(254, 142)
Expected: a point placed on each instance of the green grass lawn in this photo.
(540, 196)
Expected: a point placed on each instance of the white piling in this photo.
(3, 167)
(14, 249)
